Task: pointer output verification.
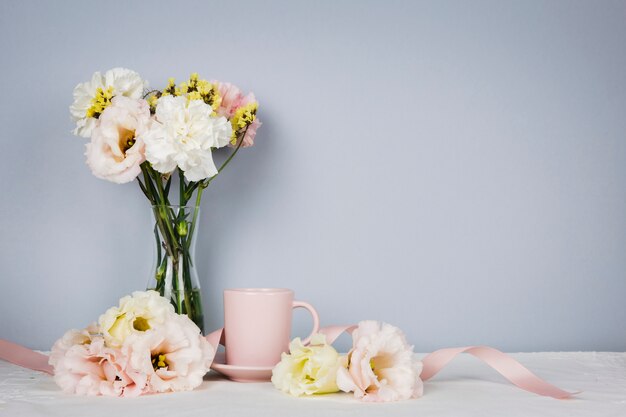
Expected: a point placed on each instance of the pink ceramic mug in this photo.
(257, 324)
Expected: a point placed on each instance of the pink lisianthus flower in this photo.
(380, 367)
(174, 355)
(84, 365)
(116, 151)
(232, 100)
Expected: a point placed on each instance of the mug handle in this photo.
(316, 318)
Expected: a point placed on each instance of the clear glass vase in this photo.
(173, 272)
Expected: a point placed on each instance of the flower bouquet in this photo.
(153, 136)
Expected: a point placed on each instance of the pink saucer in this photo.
(241, 373)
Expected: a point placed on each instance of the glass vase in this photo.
(173, 271)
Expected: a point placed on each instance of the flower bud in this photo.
(181, 228)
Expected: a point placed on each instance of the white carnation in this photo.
(183, 135)
(125, 82)
(122, 81)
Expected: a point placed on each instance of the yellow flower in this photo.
(171, 89)
(194, 95)
(243, 117)
(152, 102)
(199, 89)
(100, 102)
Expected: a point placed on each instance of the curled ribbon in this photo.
(434, 362)
(509, 368)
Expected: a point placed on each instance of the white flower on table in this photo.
(183, 134)
(174, 355)
(308, 370)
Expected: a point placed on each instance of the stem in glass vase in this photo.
(175, 276)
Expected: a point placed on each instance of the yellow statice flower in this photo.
(100, 102)
(171, 89)
(243, 117)
(152, 102)
(199, 89)
(194, 95)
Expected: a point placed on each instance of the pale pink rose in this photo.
(84, 365)
(174, 355)
(381, 366)
(116, 151)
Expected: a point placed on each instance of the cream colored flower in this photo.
(142, 311)
(307, 370)
(183, 134)
(92, 97)
(380, 365)
(115, 153)
(173, 355)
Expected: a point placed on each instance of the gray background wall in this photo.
(454, 168)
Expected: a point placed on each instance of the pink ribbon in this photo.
(24, 357)
(434, 362)
(508, 367)
(216, 338)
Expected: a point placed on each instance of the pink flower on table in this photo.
(380, 365)
(174, 356)
(84, 365)
(76, 341)
(116, 151)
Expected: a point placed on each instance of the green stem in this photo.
(206, 182)
(182, 187)
(187, 285)
(150, 92)
(163, 209)
(164, 224)
(196, 210)
(145, 191)
(167, 187)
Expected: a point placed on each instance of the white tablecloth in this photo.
(466, 387)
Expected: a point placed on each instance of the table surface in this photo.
(467, 387)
